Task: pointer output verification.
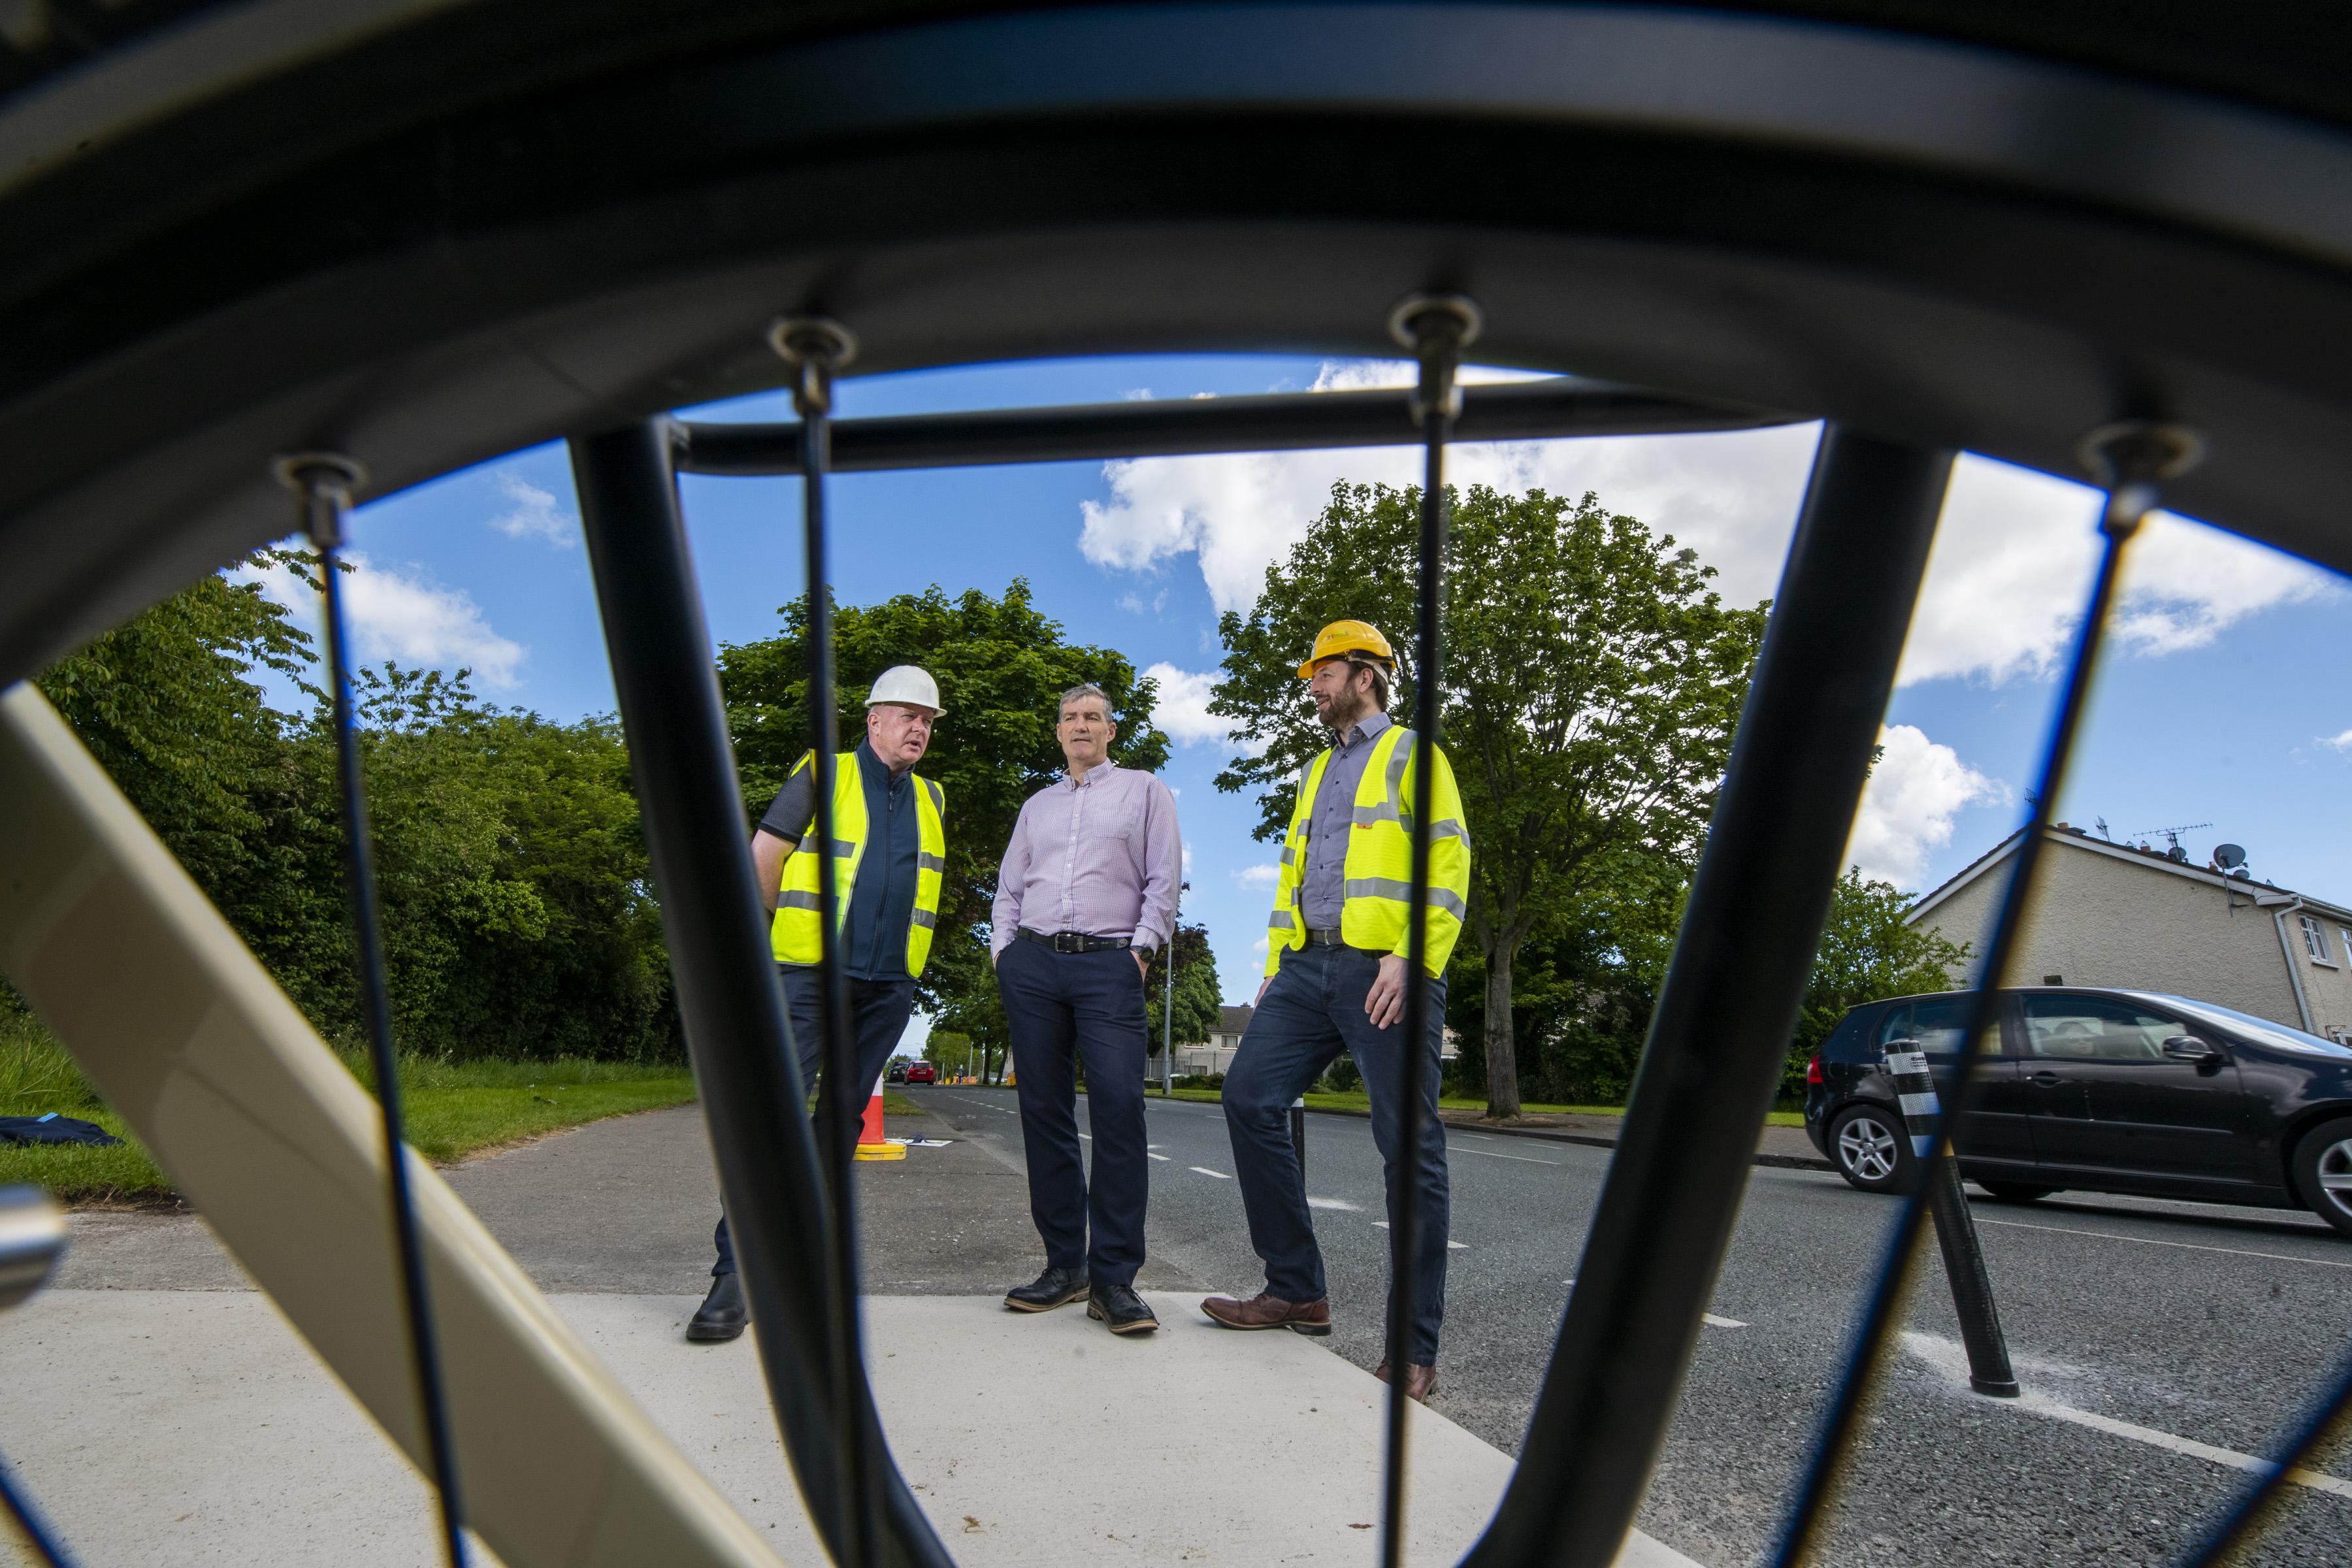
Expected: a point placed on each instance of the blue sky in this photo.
(2230, 700)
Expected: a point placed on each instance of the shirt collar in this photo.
(874, 766)
(1097, 771)
(1361, 731)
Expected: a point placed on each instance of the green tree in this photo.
(955, 1054)
(1200, 998)
(1869, 950)
(1592, 683)
(1002, 667)
(516, 895)
(164, 703)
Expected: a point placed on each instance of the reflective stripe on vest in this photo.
(795, 937)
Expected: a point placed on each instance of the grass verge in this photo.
(454, 1109)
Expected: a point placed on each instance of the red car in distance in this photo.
(922, 1072)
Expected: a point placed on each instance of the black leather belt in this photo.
(1324, 936)
(1074, 940)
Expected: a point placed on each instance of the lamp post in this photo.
(1168, 1018)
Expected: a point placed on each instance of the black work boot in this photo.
(720, 1316)
(1121, 1309)
(1055, 1288)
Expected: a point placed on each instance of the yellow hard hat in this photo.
(1341, 639)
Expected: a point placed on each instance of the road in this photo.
(2156, 1341)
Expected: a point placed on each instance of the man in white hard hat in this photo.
(890, 845)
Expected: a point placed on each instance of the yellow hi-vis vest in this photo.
(795, 933)
(1378, 871)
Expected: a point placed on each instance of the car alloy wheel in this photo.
(1867, 1149)
(2335, 1172)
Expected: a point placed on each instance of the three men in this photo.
(1335, 981)
(1085, 894)
(891, 848)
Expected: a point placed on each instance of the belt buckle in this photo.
(1069, 941)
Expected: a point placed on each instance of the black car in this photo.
(898, 1073)
(2113, 1091)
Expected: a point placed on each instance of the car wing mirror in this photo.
(2189, 1049)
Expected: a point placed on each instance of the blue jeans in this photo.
(878, 1011)
(1065, 1007)
(1312, 1012)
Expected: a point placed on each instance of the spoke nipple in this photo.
(324, 481)
(815, 347)
(1427, 323)
(2131, 459)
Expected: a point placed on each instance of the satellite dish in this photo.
(2229, 856)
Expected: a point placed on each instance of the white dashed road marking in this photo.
(2151, 1241)
(1497, 1154)
(1721, 1323)
(1204, 1170)
(1162, 1158)
(1342, 1205)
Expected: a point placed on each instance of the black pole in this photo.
(1719, 1036)
(814, 349)
(324, 482)
(1956, 1228)
(2132, 457)
(1437, 328)
(715, 929)
(1517, 411)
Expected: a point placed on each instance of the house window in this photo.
(2314, 942)
(2345, 933)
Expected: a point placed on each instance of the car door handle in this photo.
(2047, 1078)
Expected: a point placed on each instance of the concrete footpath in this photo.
(163, 1413)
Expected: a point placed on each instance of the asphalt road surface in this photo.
(2160, 1344)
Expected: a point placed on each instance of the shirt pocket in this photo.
(1125, 822)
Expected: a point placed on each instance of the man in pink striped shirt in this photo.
(1085, 894)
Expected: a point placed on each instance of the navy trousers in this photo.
(1064, 1008)
(878, 1011)
(1312, 1012)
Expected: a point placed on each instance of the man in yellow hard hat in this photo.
(890, 853)
(1336, 955)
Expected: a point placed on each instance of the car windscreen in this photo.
(2260, 1031)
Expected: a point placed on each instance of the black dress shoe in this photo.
(1055, 1288)
(720, 1316)
(1122, 1308)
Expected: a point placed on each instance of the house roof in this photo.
(1234, 1020)
(2150, 859)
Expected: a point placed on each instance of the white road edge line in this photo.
(1950, 1361)
(2151, 1241)
(1205, 1171)
(2189, 1445)
(1494, 1154)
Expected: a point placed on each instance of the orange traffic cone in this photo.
(871, 1144)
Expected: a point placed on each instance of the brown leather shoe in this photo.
(1270, 1311)
(1420, 1381)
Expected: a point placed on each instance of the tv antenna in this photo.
(2102, 824)
(2173, 835)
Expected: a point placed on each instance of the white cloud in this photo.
(1732, 496)
(1183, 706)
(1907, 811)
(2341, 743)
(2005, 585)
(2013, 564)
(534, 513)
(399, 617)
(1265, 876)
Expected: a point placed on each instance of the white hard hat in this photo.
(908, 683)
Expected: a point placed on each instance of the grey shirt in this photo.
(1323, 886)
